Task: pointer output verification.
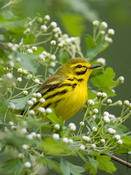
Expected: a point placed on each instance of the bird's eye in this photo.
(78, 66)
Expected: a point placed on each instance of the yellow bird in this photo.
(66, 91)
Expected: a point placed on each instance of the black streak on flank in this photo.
(70, 79)
(56, 102)
(80, 80)
(74, 85)
(48, 104)
(57, 93)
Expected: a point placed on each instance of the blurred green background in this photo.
(74, 17)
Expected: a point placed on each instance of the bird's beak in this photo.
(94, 66)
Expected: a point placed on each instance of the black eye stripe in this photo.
(79, 66)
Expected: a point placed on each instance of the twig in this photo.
(117, 159)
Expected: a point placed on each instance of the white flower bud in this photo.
(42, 100)
(11, 123)
(99, 94)
(42, 57)
(56, 136)
(24, 146)
(23, 130)
(86, 138)
(102, 61)
(20, 155)
(91, 102)
(34, 48)
(104, 25)
(30, 102)
(119, 103)
(70, 140)
(19, 79)
(120, 141)
(41, 109)
(108, 39)
(44, 28)
(65, 140)
(103, 141)
(94, 116)
(25, 92)
(53, 24)
(30, 51)
(49, 110)
(38, 135)
(111, 31)
(117, 137)
(29, 76)
(57, 126)
(38, 95)
(109, 101)
(82, 147)
(53, 42)
(30, 137)
(95, 110)
(82, 123)
(94, 129)
(96, 23)
(9, 75)
(37, 81)
(106, 113)
(27, 164)
(18, 59)
(53, 64)
(104, 95)
(33, 134)
(20, 70)
(106, 119)
(111, 130)
(47, 18)
(72, 126)
(31, 112)
(34, 99)
(93, 146)
(121, 79)
(53, 57)
(126, 102)
(102, 32)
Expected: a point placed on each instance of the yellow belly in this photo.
(72, 102)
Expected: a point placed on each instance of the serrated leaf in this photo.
(95, 47)
(104, 163)
(69, 168)
(65, 168)
(125, 147)
(105, 81)
(73, 23)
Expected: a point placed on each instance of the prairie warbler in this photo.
(66, 91)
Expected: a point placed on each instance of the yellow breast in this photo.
(72, 101)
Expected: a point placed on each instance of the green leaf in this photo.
(13, 166)
(69, 168)
(63, 56)
(104, 81)
(27, 62)
(104, 163)
(29, 39)
(65, 168)
(52, 117)
(73, 23)
(20, 102)
(125, 147)
(95, 47)
(54, 147)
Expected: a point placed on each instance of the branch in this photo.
(117, 159)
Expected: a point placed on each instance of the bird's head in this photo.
(78, 67)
